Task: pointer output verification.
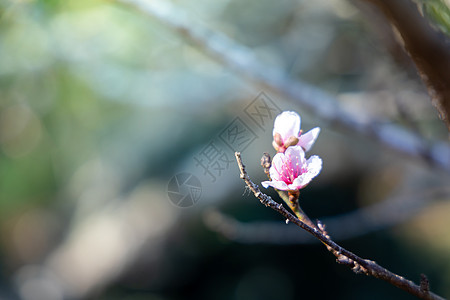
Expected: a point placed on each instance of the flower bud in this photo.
(286, 125)
(278, 139)
(291, 141)
(274, 144)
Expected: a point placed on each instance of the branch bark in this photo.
(427, 47)
(343, 256)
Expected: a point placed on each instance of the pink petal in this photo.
(287, 124)
(308, 139)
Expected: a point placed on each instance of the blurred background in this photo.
(101, 105)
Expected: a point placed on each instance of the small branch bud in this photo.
(293, 196)
(266, 163)
(424, 283)
(344, 260)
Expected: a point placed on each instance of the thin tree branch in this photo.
(391, 211)
(358, 264)
(241, 59)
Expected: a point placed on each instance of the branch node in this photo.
(322, 228)
(424, 283)
(344, 260)
(358, 269)
(266, 163)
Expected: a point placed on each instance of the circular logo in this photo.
(184, 189)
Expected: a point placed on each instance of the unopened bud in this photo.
(292, 141)
(277, 139)
(274, 144)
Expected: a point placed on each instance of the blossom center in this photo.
(291, 169)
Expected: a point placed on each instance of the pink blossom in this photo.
(286, 132)
(290, 170)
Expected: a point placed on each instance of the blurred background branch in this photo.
(241, 59)
(428, 48)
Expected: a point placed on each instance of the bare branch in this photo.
(241, 59)
(391, 211)
(343, 256)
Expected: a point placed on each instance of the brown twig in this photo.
(392, 210)
(343, 256)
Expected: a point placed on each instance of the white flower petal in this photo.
(308, 139)
(287, 124)
(276, 169)
(296, 185)
(294, 152)
(280, 185)
(314, 165)
(300, 182)
(295, 159)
